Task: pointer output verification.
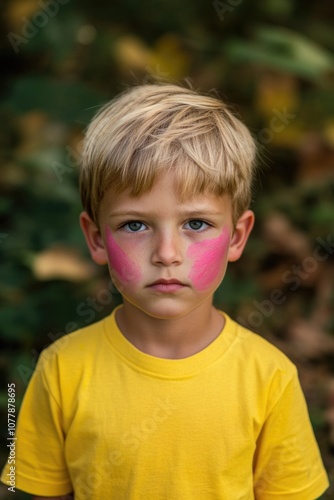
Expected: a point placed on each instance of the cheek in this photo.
(208, 258)
(124, 268)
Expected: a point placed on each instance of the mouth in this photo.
(167, 286)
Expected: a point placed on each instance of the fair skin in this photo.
(157, 237)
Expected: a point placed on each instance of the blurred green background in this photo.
(273, 62)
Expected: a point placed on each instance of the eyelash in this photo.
(201, 228)
(123, 226)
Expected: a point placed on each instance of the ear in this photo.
(239, 239)
(93, 239)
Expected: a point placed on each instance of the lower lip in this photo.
(167, 288)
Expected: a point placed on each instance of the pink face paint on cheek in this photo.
(208, 259)
(125, 269)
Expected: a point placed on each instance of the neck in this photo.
(174, 338)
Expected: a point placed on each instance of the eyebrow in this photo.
(188, 213)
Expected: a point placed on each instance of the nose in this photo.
(167, 249)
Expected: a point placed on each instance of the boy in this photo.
(167, 398)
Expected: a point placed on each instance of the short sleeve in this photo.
(40, 467)
(287, 462)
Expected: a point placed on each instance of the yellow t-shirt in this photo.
(110, 422)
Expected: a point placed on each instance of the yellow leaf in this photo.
(131, 53)
(276, 91)
(60, 262)
(18, 9)
(329, 132)
(169, 58)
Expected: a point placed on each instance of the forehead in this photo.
(164, 199)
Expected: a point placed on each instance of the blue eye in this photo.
(197, 225)
(134, 226)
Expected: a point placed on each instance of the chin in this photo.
(164, 311)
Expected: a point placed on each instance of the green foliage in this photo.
(68, 102)
(282, 50)
(263, 56)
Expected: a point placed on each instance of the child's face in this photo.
(166, 257)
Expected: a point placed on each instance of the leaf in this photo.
(169, 59)
(284, 50)
(18, 9)
(301, 48)
(60, 262)
(131, 52)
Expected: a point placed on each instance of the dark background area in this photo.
(273, 62)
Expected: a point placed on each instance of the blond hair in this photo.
(150, 129)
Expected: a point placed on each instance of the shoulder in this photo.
(266, 375)
(73, 361)
(264, 351)
(82, 340)
(257, 346)
(75, 351)
(261, 361)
